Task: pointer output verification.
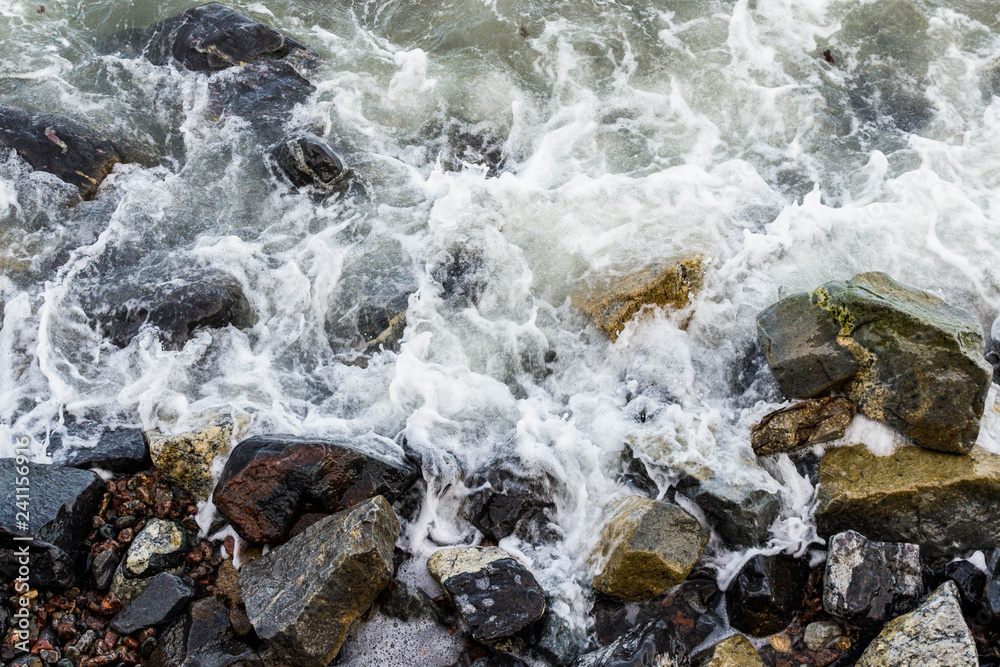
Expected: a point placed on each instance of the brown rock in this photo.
(803, 424)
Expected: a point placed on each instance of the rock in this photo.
(60, 146)
(904, 356)
(991, 598)
(556, 640)
(654, 644)
(268, 480)
(504, 503)
(203, 639)
(736, 651)
(970, 581)
(870, 582)
(495, 595)
(308, 160)
(186, 458)
(646, 547)
(103, 568)
(740, 513)
(801, 425)
(946, 504)
(305, 597)
(765, 595)
(61, 503)
(821, 634)
(164, 599)
(257, 88)
(934, 635)
(159, 547)
(672, 285)
(118, 450)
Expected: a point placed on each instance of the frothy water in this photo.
(791, 143)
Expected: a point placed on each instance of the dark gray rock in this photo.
(118, 450)
(556, 640)
(103, 568)
(258, 89)
(766, 593)
(655, 643)
(159, 547)
(163, 600)
(741, 514)
(62, 502)
(504, 504)
(308, 160)
(970, 581)
(204, 638)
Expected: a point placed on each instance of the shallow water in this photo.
(622, 135)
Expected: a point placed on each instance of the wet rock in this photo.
(505, 504)
(991, 598)
(655, 643)
(904, 356)
(736, 651)
(304, 597)
(118, 450)
(766, 593)
(103, 568)
(495, 595)
(934, 635)
(672, 286)
(801, 425)
(870, 582)
(159, 547)
(308, 160)
(555, 640)
(203, 639)
(646, 547)
(164, 599)
(970, 581)
(255, 89)
(821, 634)
(740, 513)
(62, 502)
(60, 146)
(946, 504)
(186, 458)
(269, 480)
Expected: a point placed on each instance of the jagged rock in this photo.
(163, 599)
(934, 635)
(820, 634)
(308, 160)
(159, 547)
(119, 450)
(766, 593)
(904, 356)
(203, 639)
(61, 503)
(60, 146)
(269, 480)
(672, 285)
(495, 595)
(505, 504)
(186, 458)
(736, 651)
(870, 582)
(103, 568)
(655, 643)
(305, 597)
(740, 513)
(970, 581)
(801, 425)
(947, 504)
(646, 547)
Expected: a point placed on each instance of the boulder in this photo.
(159, 547)
(308, 160)
(186, 458)
(59, 146)
(947, 504)
(305, 597)
(671, 285)
(740, 513)
(765, 594)
(801, 425)
(504, 503)
(736, 651)
(163, 599)
(646, 546)
(60, 504)
(870, 582)
(118, 450)
(903, 355)
(204, 638)
(269, 480)
(255, 89)
(496, 596)
(934, 635)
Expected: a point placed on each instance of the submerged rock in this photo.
(766, 593)
(740, 513)
(646, 547)
(801, 425)
(904, 356)
(57, 517)
(164, 599)
(934, 635)
(947, 504)
(204, 638)
(305, 597)
(671, 286)
(736, 651)
(506, 504)
(59, 146)
(257, 88)
(186, 458)
(495, 595)
(308, 160)
(269, 480)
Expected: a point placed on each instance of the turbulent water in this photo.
(790, 142)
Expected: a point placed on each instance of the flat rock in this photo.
(934, 635)
(736, 651)
(103, 568)
(946, 504)
(310, 161)
(801, 425)
(186, 458)
(164, 599)
(60, 146)
(305, 597)
(269, 480)
(118, 450)
(62, 502)
(740, 513)
(904, 356)
(496, 596)
(870, 582)
(646, 547)
(204, 638)
(765, 595)
(672, 286)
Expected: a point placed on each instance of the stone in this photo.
(308, 160)
(672, 286)
(904, 356)
(118, 450)
(933, 635)
(801, 425)
(869, 582)
(947, 504)
(653, 644)
(164, 599)
(646, 546)
(269, 480)
(503, 503)
(103, 568)
(991, 598)
(820, 634)
(61, 503)
(970, 581)
(60, 146)
(496, 596)
(186, 458)
(160, 546)
(765, 594)
(736, 651)
(740, 513)
(204, 638)
(306, 596)
(258, 89)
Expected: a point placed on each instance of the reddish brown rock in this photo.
(803, 424)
